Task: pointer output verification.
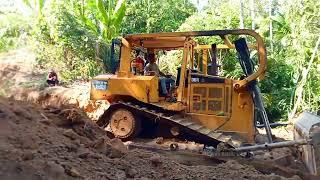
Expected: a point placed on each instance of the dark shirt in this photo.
(52, 76)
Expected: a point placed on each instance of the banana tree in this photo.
(102, 17)
(35, 5)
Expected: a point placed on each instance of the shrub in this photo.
(14, 31)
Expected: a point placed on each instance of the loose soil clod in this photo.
(67, 145)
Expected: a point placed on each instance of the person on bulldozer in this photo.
(152, 69)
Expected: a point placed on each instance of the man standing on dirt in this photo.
(52, 78)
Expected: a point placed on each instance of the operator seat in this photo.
(186, 80)
(202, 78)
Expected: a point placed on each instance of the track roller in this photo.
(124, 124)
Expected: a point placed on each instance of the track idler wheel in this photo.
(124, 124)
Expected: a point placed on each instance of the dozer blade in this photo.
(307, 126)
(248, 68)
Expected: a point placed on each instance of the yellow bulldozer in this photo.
(203, 105)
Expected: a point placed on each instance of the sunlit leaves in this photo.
(144, 16)
(35, 5)
(102, 17)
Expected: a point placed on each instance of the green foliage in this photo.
(303, 19)
(277, 88)
(218, 15)
(14, 31)
(64, 44)
(214, 17)
(72, 36)
(169, 62)
(155, 16)
(102, 17)
(83, 70)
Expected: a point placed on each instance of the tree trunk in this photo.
(270, 25)
(303, 81)
(252, 14)
(241, 15)
(97, 50)
(148, 20)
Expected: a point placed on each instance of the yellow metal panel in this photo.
(159, 44)
(191, 57)
(198, 60)
(183, 73)
(97, 94)
(209, 121)
(125, 60)
(240, 119)
(143, 88)
(170, 106)
(188, 94)
(201, 94)
(205, 59)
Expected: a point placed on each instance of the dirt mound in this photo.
(58, 96)
(17, 69)
(22, 79)
(54, 143)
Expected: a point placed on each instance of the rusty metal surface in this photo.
(272, 145)
(307, 126)
(307, 123)
(221, 33)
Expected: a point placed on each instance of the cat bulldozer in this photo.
(206, 107)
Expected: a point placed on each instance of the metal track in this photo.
(186, 122)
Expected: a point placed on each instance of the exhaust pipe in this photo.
(272, 145)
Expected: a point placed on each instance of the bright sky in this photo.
(200, 4)
(14, 5)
